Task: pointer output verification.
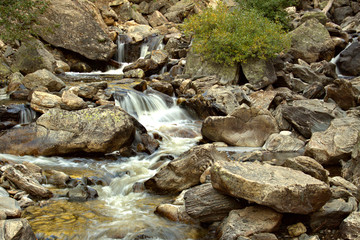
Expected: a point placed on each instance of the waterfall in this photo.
(27, 115)
(122, 41)
(152, 43)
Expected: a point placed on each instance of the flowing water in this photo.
(119, 212)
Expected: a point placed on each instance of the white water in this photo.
(27, 115)
(336, 58)
(126, 213)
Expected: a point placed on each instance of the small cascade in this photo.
(122, 41)
(152, 43)
(27, 115)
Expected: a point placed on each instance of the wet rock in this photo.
(208, 205)
(149, 143)
(272, 186)
(71, 101)
(332, 214)
(25, 182)
(184, 171)
(350, 227)
(249, 221)
(91, 41)
(343, 93)
(57, 178)
(138, 32)
(33, 170)
(283, 142)
(135, 73)
(81, 193)
(336, 143)
(102, 129)
(16, 229)
(246, 127)
(81, 67)
(160, 57)
(43, 78)
(174, 213)
(259, 73)
(42, 101)
(33, 56)
(9, 207)
(147, 65)
(312, 42)
(163, 87)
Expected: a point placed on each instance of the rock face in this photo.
(103, 129)
(248, 221)
(247, 127)
(208, 205)
(349, 61)
(16, 229)
(283, 189)
(43, 78)
(185, 171)
(77, 26)
(278, 142)
(312, 42)
(336, 143)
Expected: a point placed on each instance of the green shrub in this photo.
(228, 36)
(18, 16)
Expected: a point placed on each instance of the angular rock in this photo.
(343, 93)
(349, 60)
(259, 73)
(332, 214)
(350, 227)
(157, 19)
(26, 183)
(246, 127)
(163, 87)
(308, 75)
(336, 143)
(9, 207)
(160, 57)
(16, 229)
(208, 205)
(283, 189)
(72, 101)
(81, 193)
(42, 101)
(283, 142)
(185, 171)
(174, 213)
(57, 178)
(249, 221)
(102, 129)
(33, 56)
(79, 28)
(43, 78)
(312, 42)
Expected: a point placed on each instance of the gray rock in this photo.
(312, 42)
(81, 193)
(350, 227)
(336, 143)
(102, 129)
(332, 214)
(259, 73)
(282, 142)
(43, 78)
(273, 186)
(33, 56)
(78, 26)
(25, 182)
(247, 127)
(184, 171)
(9, 207)
(57, 178)
(349, 60)
(249, 221)
(16, 229)
(208, 205)
(3, 192)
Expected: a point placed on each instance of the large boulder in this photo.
(208, 205)
(343, 93)
(16, 229)
(102, 129)
(259, 73)
(33, 56)
(185, 171)
(349, 61)
(76, 26)
(43, 78)
(283, 142)
(42, 101)
(249, 221)
(312, 42)
(336, 143)
(247, 127)
(280, 188)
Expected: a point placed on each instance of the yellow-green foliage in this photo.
(228, 36)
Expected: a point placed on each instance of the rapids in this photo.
(119, 212)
